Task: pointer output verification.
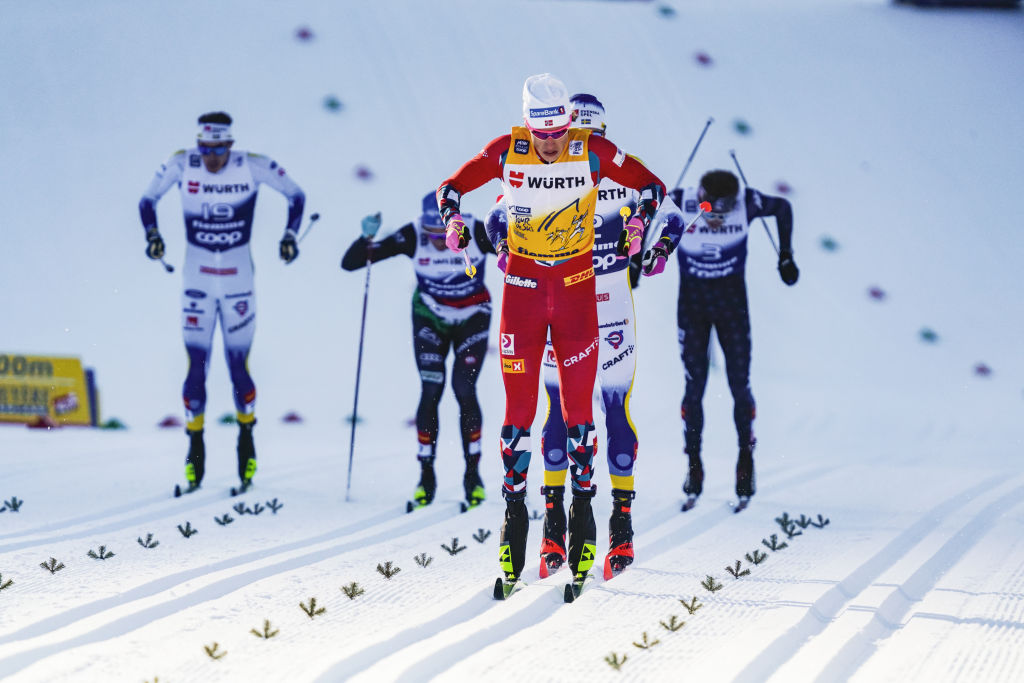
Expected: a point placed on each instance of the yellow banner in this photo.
(35, 386)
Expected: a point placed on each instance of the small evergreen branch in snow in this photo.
(735, 571)
(534, 516)
(53, 566)
(757, 557)
(783, 520)
(102, 554)
(673, 624)
(455, 549)
(274, 505)
(710, 584)
(149, 542)
(481, 535)
(187, 531)
(774, 545)
(788, 525)
(792, 531)
(692, 606)
(388, 570)
(211, 650)
(256, 509)
(820, 524)
(5, 584)
(423, 559)
(240, 508)
(646, 643)
(266, 634)
(225, 520)
(312, 611)
(804, 521)
(14, 504)
(353, 590)
(614, 661)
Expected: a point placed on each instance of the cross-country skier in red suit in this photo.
(550, 175)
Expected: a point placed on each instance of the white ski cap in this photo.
(545, 103)
(214, 132)
(588, 112)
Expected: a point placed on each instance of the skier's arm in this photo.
(481, 237)
(167, 176)
(402, 241)
(671, 221)
(767, 205)
(268, 172)
(485, 166)
(497, 224)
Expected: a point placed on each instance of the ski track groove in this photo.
(129, 622)
(680, 526)
(831, 603)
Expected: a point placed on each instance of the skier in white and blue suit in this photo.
(713, 293)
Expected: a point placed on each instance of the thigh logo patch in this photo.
(577, 278)
(513, 366)
(508, 344)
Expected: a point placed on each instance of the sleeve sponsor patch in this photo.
(619, 157)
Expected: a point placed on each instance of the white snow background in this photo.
(899, 130)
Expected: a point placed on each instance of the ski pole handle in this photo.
(702, 209)
(313, 218)
(167, 266)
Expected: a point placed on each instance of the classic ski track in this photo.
(128, 617)
(834, 601)
(475, 616)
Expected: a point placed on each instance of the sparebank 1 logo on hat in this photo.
(547, 111)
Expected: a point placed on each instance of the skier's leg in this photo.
(734, 336)
(198, 321)
(470, 342)
(552, 443)
(237, 313)
(694, 328)
(431, 339)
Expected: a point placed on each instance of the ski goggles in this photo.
(720, 208)
(551, 134)
(216, 150)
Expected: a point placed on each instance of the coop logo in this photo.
(229, 238)
(573, 360)
(577, 278)
(193, 187)
(517, 281)
(515, 178)
(513, 366)
(615, 339)
(508, 344)
(520, 210)
(242, 306)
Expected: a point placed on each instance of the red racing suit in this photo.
(549, 281)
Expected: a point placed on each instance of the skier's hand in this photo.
(289, 248)
(370, 225)
(655, 258)
(502, 255)
(456, 234)
(154, 244)
(631, 238)
(787, 268)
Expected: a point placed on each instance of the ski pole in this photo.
(359, 368)
(771, 239)
(167, 266)
(702, 209)
(694, 152)
(313, 218)
(470, 268)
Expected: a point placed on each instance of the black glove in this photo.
(154, 244)
(289, 249)
(787, 268)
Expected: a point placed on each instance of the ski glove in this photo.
(787, 268)
(656, 257)
(370, 225)
(154, 244)
(631, 237)
(289, 249)
(457, 234)
(502, 250)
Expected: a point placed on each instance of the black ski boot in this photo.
(552, 546)
(425, 490)
(746, 482)
(472, 484)
(512, 547)
(694, 484)
(582, 541)
(195, 461)
(620, 534)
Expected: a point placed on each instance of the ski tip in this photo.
(499, 589)
(409, 506)
(463, 507)
(177, 491)
(569, 595)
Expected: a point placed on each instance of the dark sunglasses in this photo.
(219, 150)
(553, 135)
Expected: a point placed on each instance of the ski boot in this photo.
(195, 463)
(472, 483)
(552, 546)
(746, 482)
(246, 457)
(694, 484)
(582, 541)
(425, 490)
(512, 547)
(620, 534)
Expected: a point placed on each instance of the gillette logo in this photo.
(517, 281)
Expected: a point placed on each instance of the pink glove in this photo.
(457, 234)
(655, 258)
(502, 255)
(631, 237)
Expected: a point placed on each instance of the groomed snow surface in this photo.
(897, 130)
